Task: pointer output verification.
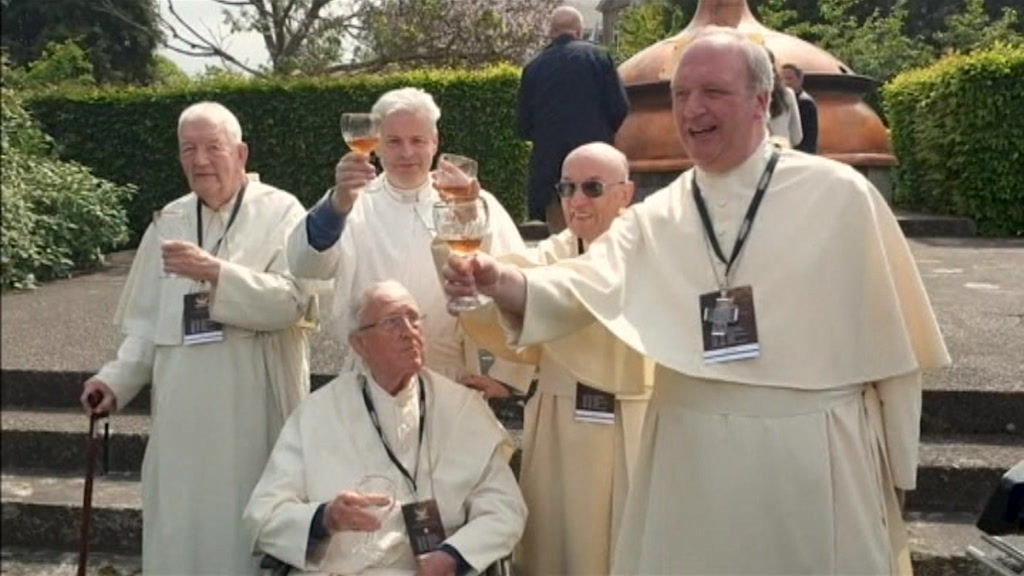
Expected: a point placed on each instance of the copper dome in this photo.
(849, 130)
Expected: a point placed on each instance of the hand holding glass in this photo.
(463, 225)
(454, 177)
(170, 224)
(382, 489)
(360, 131)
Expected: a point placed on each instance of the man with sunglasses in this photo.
(579, 443)
(443, 500)
(789, 326)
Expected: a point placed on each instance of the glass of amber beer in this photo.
(360, 131)
(463, 225)
(454, 177)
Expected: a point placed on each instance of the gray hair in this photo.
(565, 20)
(213, 112)
(759, 67)
(413, 100)
(358, 306)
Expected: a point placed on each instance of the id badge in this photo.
(198, 328)
(423, 524)
(729, 325)
(593, 405)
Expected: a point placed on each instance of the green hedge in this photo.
(291, 126)
(956, 129)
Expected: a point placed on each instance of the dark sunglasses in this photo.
(592, 188)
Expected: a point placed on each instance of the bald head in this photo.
(589, 217)
(565, 20)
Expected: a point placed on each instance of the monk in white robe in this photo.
(787, 462)
(576, 464)
(446, 446)
(389, 234)
(216, 406)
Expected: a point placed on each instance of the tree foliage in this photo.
(119, 36)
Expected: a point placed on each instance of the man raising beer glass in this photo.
(372, 227)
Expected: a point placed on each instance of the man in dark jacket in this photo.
(570, 94)
(793, 77)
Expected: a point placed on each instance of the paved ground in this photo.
(976, 286)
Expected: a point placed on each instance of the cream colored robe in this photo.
(783, 464)
(216, 407)
(787, 125)
(388, 236)
(329, 444)
(574, 475)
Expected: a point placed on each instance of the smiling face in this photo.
(589, 217)
(391, 348)
(214, 164)
(719, 116)
(408, 143)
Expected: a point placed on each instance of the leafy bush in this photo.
(56, 215)
(291, 125)
(956, 129)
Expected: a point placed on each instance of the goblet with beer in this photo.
(463, 225)
(361, 131)
(454, 177)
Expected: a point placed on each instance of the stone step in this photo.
(939, 542)
(44, 512)
(946, 410)
(16, 561)
(41, 521)
(956, 472)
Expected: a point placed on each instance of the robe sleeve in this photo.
(132, 369)
(266, 300)
(279, 512)
(496, 516)
(900, 398)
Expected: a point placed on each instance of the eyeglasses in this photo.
(396, 322)
(592, 188)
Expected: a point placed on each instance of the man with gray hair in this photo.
(212, 319)
(390, 468)
(790, 328)
(569, 94)
(372, 227)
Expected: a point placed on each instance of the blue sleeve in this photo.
(323, 225)
(461, 566)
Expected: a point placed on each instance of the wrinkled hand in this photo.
(94, 389)
(490, 387)
(435, 563)
(351, 174)
(188, 260)
(464, 275)
(346, 512)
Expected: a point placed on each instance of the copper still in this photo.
(849, 130)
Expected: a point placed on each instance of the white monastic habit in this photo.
(216, 407)
(574, 474)
(329, 444)
(389, 235)
(782, 464)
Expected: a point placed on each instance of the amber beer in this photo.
(455, 193)
(363, 145)
(464, 245)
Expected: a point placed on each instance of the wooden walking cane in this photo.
(91, 447)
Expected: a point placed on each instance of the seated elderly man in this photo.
(453, 507)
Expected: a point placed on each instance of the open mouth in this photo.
(698, 132)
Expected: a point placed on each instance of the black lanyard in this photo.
(231, 220)
(579, 246)
(748, 220)
(387, 447)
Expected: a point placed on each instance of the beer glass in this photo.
(383, 489)
(170, 224)
(360, 131)
(454, 177)
(463, 225)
